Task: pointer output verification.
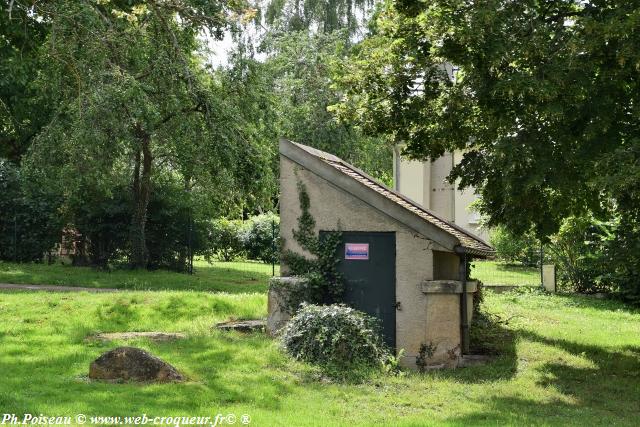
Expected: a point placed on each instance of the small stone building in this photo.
(401, 262)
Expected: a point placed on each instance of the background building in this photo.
(425, 183)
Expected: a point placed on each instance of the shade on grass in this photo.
(569, 361)
(220, 276)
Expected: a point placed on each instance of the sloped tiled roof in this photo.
(470, 242)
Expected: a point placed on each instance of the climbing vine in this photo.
(324, 284)
(425, 353)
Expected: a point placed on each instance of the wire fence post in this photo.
(541, 263)
(15, 237)
(273, 248)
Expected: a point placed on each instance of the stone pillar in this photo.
(443, 332)
(277, 306)
(549, 277)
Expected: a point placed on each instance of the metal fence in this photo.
(499, 273)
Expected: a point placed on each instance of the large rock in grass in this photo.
(132, 364)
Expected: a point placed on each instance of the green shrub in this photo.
(30, 222)
(103, 220)
(174, 223)
(335, 337)
(99, 225)
(623, 258)
(512, 248)
(579, 252)
(224, 239)
(260, 237)
(594, 255)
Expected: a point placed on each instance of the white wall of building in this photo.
(425, 183)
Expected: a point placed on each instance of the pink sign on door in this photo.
(356, 251)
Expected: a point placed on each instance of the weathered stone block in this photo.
(277, 305)
(135, 364)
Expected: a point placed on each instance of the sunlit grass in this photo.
(220, 276)
(574, 361)
(499, 273)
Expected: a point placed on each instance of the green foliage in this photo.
(23, 110)
(133, 102)
(512, 248)
(102, 223)
(619, 174)
(302, 64)
(327, 16)
(425, 353)
(335, 337)
(176, 224)
(260, 237)
(225, 239)
(478, 298)
(623, 259)
(542, 98)
(579, 251)
(288, 95)
(29, 223)
(325, 284)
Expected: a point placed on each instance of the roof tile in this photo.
(469, 241)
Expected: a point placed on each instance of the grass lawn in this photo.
(499, 273)
(220, 276)
(569, 360)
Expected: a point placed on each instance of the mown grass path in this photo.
(230, 277)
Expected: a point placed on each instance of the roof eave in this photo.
(482, 253)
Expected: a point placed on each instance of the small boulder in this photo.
(135, 364)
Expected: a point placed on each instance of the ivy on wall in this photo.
(324, 284)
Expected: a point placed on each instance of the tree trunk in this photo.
(141, 193)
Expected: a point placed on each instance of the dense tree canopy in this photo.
(131, 96)
(325, 15)
(300, 67)
(111, 107)
(287, 91)
(22, 110)
(542, 96)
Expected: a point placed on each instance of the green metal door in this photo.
(368, 263)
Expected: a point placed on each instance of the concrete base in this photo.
(279, 313)
(549, 277)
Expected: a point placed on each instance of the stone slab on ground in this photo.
(132, 364)
(243, 325)
(499, 289)
(154, 336)
(54, 288)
